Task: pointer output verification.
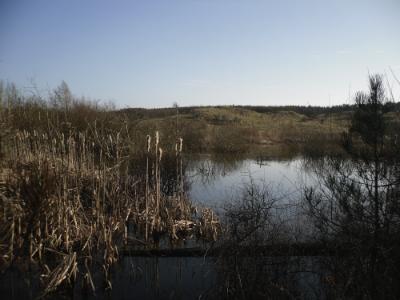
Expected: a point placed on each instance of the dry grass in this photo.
(67, 201)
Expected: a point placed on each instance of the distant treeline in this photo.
(310, 111)
(316, 110)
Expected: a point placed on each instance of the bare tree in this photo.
(62, 98)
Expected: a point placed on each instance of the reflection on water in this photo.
(218, 183)
(212, 183)
(132, 278)
(257, 277)
(162, 278)
(192, 278)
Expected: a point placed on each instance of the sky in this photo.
(201, 52)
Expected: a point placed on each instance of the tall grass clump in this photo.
(69, 200)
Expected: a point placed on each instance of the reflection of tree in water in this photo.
(245, 268)
(269, 277)
(211, 168)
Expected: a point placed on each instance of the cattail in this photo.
(157, 138)
(180, 144)
(94, 225)
(147, 187)
(160, 151)
(148, 142)
(157, 171)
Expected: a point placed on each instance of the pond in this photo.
(213, 184)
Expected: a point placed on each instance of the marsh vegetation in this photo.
(71, 199)
(83, 186)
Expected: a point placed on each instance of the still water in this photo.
(218, 184)
(213, 184)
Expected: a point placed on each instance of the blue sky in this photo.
(201, 52)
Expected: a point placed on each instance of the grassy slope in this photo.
(263, 128)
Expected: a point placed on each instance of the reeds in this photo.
(67, 202)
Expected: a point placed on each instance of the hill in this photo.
(241, 128)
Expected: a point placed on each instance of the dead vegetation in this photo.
(69, 202)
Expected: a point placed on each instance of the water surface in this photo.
(213, 184)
